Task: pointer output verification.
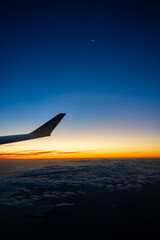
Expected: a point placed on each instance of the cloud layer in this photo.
(35, 192)
(49, 182)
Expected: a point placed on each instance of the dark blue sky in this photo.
(49, 62)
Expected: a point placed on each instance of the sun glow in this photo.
(84, 145)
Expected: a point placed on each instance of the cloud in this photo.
(65, 204)
(49, 182)
(33, 154)
(31, 194)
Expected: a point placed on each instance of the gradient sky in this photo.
(98, 61)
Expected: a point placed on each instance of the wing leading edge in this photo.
(43, 131)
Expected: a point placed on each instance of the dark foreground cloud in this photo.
(49, 182)
(33, 193)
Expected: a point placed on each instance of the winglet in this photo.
(48, 127)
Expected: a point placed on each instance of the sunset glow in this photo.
(85, 146)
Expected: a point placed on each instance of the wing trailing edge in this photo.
(43, 131)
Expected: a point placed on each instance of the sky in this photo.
(97, 61)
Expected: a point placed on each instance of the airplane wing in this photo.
(43, 131)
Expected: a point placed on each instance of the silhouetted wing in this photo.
(43, 131)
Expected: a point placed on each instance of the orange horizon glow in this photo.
(86, 144)
(77, 154)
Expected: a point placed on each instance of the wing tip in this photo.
(48, 127)
(62, 114)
